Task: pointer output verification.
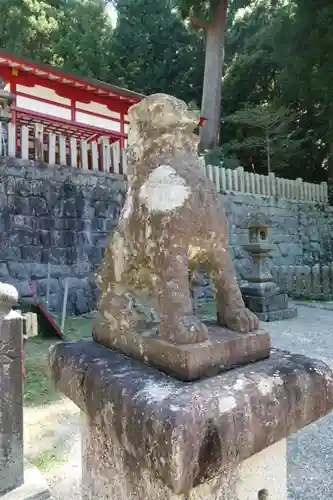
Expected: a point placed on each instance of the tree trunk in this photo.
(211, 96)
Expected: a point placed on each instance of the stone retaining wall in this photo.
(301, 232)
(63, 216)
(58, 215)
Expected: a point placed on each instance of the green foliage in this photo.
(266, 130)
(58, 32)
(206, 8)
(278, 54)
(27, 28)
(306, 79)
(268, 60)
(197, 7)
(153, 51)
(83, 40)
(221, 156)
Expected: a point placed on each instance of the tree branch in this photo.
(218, 17)
(199, 23)
(220, 14)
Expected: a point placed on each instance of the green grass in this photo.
(38, 388)
(207, 310)
(48, 460)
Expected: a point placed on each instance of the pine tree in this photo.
(268, 130)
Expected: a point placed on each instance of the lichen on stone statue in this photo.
(172, 221)
(8, 298)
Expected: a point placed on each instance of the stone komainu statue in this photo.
(172, 220)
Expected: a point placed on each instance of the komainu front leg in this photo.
(124, 312)
(231, 310)
(178, 323)
(119, 305)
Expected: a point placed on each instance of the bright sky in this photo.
(112, 13)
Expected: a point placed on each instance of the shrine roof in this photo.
(49, 72)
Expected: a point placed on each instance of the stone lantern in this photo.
(259, 248)
(261, 295)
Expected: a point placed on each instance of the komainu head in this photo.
(158, 114)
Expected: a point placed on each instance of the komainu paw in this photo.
(241, 320)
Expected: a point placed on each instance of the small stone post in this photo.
(11, 415)
(18, 480)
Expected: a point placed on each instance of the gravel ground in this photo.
(310, 457)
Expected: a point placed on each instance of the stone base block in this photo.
(267, 303)
(289, 313)
(34, 487)
(270, 307)
(223, 350)
(149, 436)
(110, 474)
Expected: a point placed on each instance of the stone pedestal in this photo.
(223, 350)
(147, 435)
(198, 426)
(17, 480)
(266, 470)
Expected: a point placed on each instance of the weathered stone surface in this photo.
(110, 473)
(36, 271)
(23, 287)
(34, 487)
(261, 294)
(9, 253)
(172, 221)
(3, 270)
(56, 215)
(54, 286)
(16, 481)
(305, 227)
(11, 417)
(186, 434)
(266, 304)
(290, 312)
(17, 270)
(223, 350)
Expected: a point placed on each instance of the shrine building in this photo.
(65, 104)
